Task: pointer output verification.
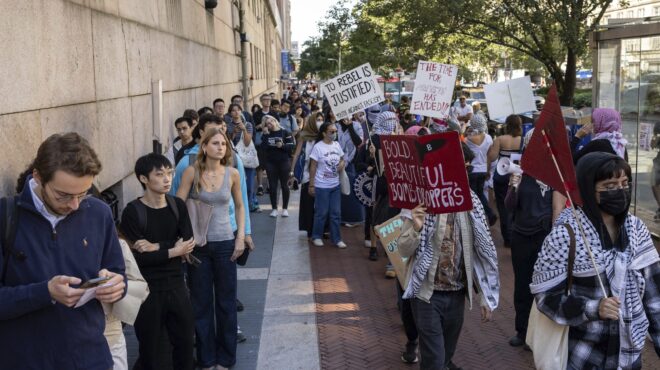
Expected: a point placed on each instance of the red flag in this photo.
(546, 154)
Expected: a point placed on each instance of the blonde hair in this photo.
(200, 161)
(276, 122)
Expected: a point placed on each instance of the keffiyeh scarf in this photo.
(423, 256)
(622, 269)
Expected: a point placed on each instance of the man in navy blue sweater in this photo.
(63, 238)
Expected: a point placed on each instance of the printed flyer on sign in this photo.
(427, 169)
(434, 87)
(352, 91)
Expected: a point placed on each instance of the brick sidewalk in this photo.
(359, 325)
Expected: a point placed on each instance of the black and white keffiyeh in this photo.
(622, 270)
(423, 256)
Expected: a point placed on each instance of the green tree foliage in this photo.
(552, 32)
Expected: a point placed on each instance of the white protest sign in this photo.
(509, 97)
(352, 91)
(434, 87)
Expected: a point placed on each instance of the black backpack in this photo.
(141, 210)
(9, 233)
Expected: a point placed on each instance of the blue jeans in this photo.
(327, 201)
(250, 177)
(213, 294)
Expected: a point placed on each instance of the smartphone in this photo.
(91, 283)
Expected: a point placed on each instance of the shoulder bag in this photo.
(547, 339)
(248, 153)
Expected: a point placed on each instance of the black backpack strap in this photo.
(171, 202)
(571, 257)
(141, 211)
(10, 225)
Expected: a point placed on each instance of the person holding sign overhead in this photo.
(448, 255)
(325, 165)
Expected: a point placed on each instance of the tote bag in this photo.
(248, 153)
(547, 339)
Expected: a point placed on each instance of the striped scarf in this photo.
(423, 256)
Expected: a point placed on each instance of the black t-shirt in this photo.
(533, 211)
(162, 228)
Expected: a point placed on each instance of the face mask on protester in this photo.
(614, 202)
(319, 124)
(333, 136)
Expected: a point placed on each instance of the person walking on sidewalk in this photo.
(448, 255)
(306, 142)
(529, 202)
(158, 228)
(62, 238)
(213, 284)
(326, 163)
(277, 144)
(605, 332)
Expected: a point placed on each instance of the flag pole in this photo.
(575, 213)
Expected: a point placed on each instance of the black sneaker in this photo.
(240, 337)
(239, 305)
(373, 254)
(410, 355)
(260, 191)
(516, 341)
(452, 366)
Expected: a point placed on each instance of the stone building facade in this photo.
(90, 66)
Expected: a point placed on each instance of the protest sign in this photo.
(509, 97)
(434, 86)
(427, 169)
(352, 91)
(388, 232)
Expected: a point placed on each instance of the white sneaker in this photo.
(273, 213)
(341, 245)
(285, 213)
(367, 243)
(317, 242)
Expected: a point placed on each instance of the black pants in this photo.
(306, 211)
(405, 309)
(166, 312)
(367, 222)
(524, 251)
(278, 172)
(439, 324)
(477, 181)
(501, 186)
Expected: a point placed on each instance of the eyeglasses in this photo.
(66, 198)
(614, 186)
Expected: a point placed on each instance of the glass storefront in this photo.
(628, 80)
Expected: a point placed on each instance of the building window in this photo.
(656, 10)
(640, 13)
(631, 13)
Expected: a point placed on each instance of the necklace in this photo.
(210, 179)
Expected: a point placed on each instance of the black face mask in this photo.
(282, 114)
(614, 202)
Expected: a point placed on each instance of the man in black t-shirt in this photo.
(158, 227)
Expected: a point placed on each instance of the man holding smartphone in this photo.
(158, 227)
(60, 239)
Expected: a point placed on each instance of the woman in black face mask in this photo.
(605, 332)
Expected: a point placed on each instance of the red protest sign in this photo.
(427, 169)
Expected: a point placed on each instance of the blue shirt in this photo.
(238, 164)
(36, 333)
